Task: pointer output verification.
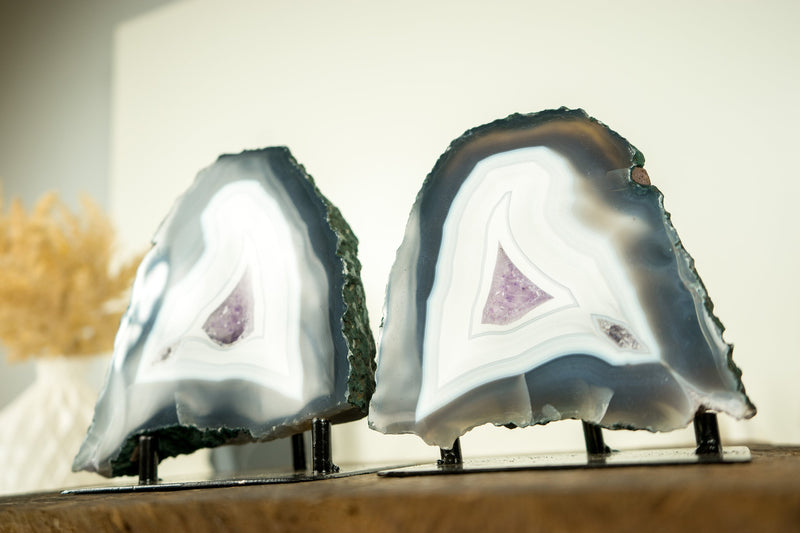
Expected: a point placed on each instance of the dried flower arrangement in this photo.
(58, 294)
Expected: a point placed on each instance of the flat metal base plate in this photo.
(556, 461)
(254, 479)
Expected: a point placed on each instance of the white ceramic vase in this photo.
(42, 429)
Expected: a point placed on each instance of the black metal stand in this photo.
(321, 447)
(299, 452)
(451, 457)
(598, 455)
(148, 460)
(593, 436)
(706, 433)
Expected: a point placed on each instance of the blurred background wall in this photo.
(55, 108)
(368, 95)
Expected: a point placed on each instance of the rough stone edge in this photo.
(355, 320)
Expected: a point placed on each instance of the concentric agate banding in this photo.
(538, 281)
(246, 321)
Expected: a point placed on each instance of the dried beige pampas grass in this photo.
(58, 294)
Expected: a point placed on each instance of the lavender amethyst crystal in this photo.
(234, 317)
(512, 294)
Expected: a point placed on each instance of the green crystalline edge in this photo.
(172, 441)
(355, 320)
(177, 440)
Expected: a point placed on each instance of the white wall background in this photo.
(55, 93)
(368, 94)
(55, 114)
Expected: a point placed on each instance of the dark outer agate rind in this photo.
(707, 303)
(334, 244)
(355, 320)
(597, 151)
(349, 314)
(630, 384)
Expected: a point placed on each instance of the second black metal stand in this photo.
(321, 447)
(451, 456)
(148, 460)
(593, 436)
(299, 452)
(706, 434)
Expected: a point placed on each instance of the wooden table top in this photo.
(761, 496)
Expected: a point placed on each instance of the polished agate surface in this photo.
(541, 279)
(246, 319)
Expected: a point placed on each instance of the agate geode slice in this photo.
(540, 279)
(247, 319)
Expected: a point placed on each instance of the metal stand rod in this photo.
(299, 452)
(706, 434)
(593, 435)
(451, 456)
(148, 460)
(321, 447)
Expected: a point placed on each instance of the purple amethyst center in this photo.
(232, 320)
(512, 294)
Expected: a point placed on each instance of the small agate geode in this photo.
(540, 279)
(247, 320)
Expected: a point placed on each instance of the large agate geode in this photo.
(247, 319)
(540, 279)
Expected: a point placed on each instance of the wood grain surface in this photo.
(762, 496)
